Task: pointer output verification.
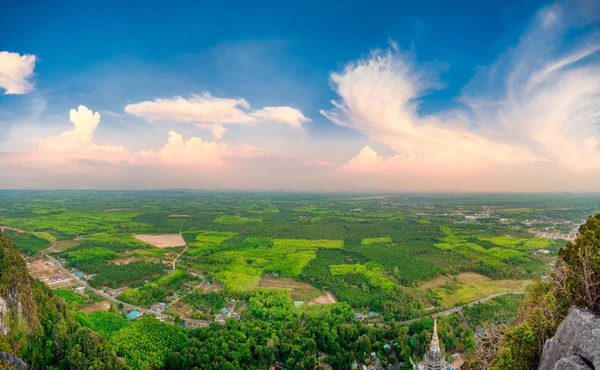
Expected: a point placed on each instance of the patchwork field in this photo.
(393, 254)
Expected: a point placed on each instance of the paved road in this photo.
(125, 304)
(460, 308)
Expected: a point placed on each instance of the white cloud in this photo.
(198, 108)
(76, 150)
(15, 71)
(192, 152)
(291, 116)
(537, 104)
(210, 112)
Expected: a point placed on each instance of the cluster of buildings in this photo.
(158, 307)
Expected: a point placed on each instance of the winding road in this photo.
(125, 304)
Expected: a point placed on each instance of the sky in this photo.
(466, 96)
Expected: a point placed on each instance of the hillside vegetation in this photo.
(39, 326)
(575, 281)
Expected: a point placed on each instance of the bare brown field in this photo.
(98, 306)
(215, 286)
(298, 291)
(49, 273)
(182, 308)
(470, 277)
(440, 280)
(287, 283)
(327, 298)
(162, 241)
(117, 209)
(125, 261)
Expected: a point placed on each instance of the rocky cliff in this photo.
(37, 329)
(576, 343)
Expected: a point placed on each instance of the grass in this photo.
(457, 293)
(520, 243)
(383, 239)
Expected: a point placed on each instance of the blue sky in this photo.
(443, 58)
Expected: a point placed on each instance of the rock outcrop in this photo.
(576, 343)
(12, 361)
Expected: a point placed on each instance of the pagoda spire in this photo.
(435, 341)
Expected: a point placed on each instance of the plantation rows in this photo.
(117, 275)
(404, 267)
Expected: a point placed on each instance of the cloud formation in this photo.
(75, 150)
(210, 112)
(192, 152)
(75, 144)
(15, 72)
(537, 104)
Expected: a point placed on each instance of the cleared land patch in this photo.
(327, 298)
(298, 290)
(117, 209)
(47, 272)
(98, 306)
(441, 280)
(162, 241)
(471, 277)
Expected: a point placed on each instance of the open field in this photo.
(162, 241)
(470, 277)
(461, 293)
(98, 306)
(327, 298)
(441, 280)
(298, 290)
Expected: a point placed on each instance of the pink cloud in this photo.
(537, 104)
(75, 144)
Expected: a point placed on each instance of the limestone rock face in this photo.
(12, 361)
(576, 343)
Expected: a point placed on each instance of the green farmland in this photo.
(376, 253)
